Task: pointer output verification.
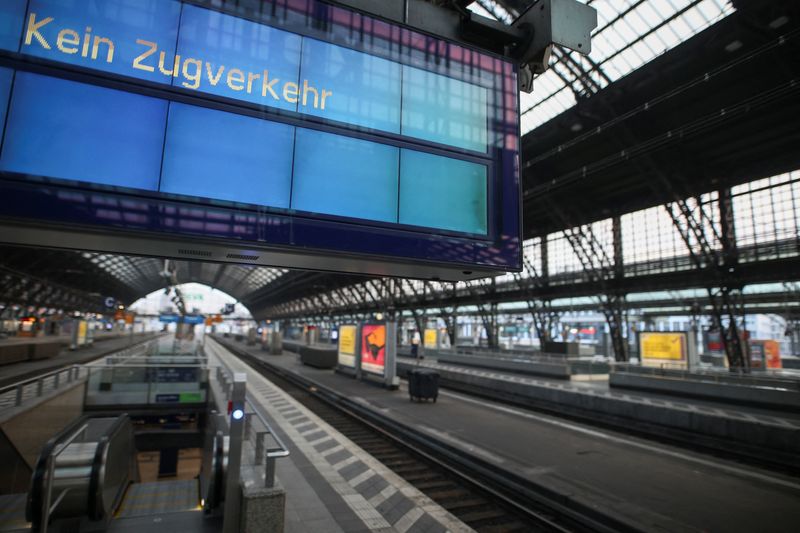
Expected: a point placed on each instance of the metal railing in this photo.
(256, 431)
(16, 394)
(30, 389)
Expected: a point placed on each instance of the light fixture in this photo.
(237, 414)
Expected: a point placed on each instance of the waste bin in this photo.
(423, 384)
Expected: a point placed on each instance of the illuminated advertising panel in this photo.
(373, 348)
(303, 133)
(83, 327)
(663, 349)
(430, 339)
(348, 335)
(765, 354)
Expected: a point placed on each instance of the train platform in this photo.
(602, 388)
(331, 484)
(24, 369)
(647, 484)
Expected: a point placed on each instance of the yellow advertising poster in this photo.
(430, 338)
(663, 349)
(347, 346)
(82, 327)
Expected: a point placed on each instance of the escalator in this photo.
(86, 479)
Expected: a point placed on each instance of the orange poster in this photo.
(772, 353)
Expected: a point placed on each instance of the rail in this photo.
(256, 431)
(47, 508)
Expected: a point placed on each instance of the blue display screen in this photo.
(343, 176)
(236, 58)
(223, 156)
(83, 133)
(12, 17)
(440, 192)
(6, 75)
(366, 88)
(134, 39)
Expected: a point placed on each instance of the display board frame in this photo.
(55, 213)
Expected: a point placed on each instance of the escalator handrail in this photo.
(35, 498)
(95, 493)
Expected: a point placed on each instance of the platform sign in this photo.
(348, 339)
(345, 142)
(373, 348)
(431, 339)
(663, 349)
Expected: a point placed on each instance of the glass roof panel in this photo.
(629, 34)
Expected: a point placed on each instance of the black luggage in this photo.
(423, 384)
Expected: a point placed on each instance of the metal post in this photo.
(56, 379)
(269, 473)
(232, 490)
(260, 446)
(390, 364)
(18, 400)
(39, 387)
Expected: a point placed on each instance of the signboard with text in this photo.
(339, 136)
(663, 349)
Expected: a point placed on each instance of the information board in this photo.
(373, 348)
(348, 335)
(663, 349)
(334, 132)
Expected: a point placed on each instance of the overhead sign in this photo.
(348, 336)
(663, 349)
(381, 143)
(373, 348)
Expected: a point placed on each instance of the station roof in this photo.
(600, 138)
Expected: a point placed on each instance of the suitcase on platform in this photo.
(423, 384)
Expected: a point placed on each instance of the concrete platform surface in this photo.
(650, 485)
(331, 484)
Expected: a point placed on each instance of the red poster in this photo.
(373, 348)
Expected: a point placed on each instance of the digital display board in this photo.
(373, 348)
(310, 130)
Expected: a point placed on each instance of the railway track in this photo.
(484, 499)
